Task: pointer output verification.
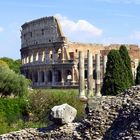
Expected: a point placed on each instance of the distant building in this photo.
(50, 60)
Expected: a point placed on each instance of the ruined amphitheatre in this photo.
(49, 59)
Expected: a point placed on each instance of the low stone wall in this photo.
(107, 118)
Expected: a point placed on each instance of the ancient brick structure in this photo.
(50, 60)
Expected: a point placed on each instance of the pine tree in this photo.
(137, 81)
(127, 62)
(114, 81)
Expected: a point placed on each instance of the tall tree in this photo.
(127, 62)
(137, 81)
(114, 81)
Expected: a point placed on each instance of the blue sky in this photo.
(91, 21)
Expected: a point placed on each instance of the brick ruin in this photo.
(50, 60)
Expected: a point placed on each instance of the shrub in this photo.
(127, 62)
(12, 110)
(41, 101)
(12, 83)
(114, 81)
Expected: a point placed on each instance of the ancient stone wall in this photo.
(107, 118)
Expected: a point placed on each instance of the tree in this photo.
(114, 81)
(4, 64)
(127, 62)
(13, 64)
(137, 81)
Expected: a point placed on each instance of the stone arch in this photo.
(85, 74)
(68, 75)
(35, 76)
(58, 76)
(42, 76)
(49, 76)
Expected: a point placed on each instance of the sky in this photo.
(87, 21)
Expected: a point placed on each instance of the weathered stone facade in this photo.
(50, 60)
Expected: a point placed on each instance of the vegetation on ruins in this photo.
(137, 81)
(33, 110)
(13, 64)
(127, 62)
(115, 77)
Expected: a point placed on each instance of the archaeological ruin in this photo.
(50, 60)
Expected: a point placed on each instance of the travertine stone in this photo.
(98, 71)
(90, 75)
(82, 96)
(63, 114)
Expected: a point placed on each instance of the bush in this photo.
(12, 110)
(12, 83)
(41, 101)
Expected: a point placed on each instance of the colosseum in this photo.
(51, 61)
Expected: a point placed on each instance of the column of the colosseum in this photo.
(104, 64)
(40, 56)
(43, 56)
(34, 56)
(73, 75)
(90, 75)
(33, 78)
(31, 57)
(39, 78)
(98, 71)
(62, 53)
(82, 96)
(47, 55)
(45, 76)
(53, 77)
(62, 77)
(53, 55)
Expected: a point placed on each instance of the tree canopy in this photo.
(114, 81)
(127, 62)
(11, 83)
(13, 64)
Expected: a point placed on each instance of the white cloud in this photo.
(135, 35)
(1, 29)
(78, 30)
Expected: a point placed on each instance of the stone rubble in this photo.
(107, 118)
(63, 114)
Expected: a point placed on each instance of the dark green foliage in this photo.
(114, 81)
(13, 64)
(127, 61)
(137, 81)
(12, 83)
(11, 112)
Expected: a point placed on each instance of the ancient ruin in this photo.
(50, 60)
(110, 118)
